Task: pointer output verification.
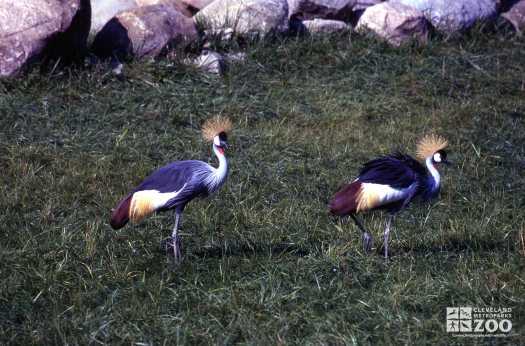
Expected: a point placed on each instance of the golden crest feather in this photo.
(429, 145)
(213, 126)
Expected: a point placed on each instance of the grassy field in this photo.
(264, 261)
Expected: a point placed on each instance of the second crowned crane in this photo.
(392, 182)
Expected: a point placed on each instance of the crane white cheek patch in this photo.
(374, 195)
(217, 141)
(145, 202)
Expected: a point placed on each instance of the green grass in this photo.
(264, 261)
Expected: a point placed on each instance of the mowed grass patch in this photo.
(264, 261)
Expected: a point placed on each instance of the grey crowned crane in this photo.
(391, 182)
(172, 186)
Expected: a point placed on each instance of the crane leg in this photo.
(387, 233)
(175, 239)
(367, 244)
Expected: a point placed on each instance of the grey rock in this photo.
(175, 4)
(195, 6)
(209, 61)
(453, 15)
(324, 26)
(144, 32)
(327, 9)
(395, 22)
(515, 14)
(104, 10)
(30, 30)
(244, 17)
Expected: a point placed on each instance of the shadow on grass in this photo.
(240, 250)
(452, 246)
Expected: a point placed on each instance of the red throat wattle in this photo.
(435, 165)
(219, 149)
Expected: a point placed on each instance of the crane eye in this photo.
(440, 156)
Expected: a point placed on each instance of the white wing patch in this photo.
(374, 195)
(145, 202)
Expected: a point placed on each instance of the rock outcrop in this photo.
(143, 32)
(30, 31)
(395, 22)
(453, 15)
(244, 17)
(327, 9)
(104, 10)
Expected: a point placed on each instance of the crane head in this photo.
(216, 126)
(440, 156)
(430, 145)
(221, 142)
(216, 130)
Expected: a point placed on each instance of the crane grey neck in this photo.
(218, 175)
(434, 172)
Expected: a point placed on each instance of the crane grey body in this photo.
(171, 187)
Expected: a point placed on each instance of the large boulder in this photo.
(453, 15)
(195, 6)
(104, 10)
(244, 17)
(395, 22)
(30, 30)
(144, 32)
(327, 9)
(515, 14)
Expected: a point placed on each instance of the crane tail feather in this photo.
(120, 216)
(139, 205)
(346, 200)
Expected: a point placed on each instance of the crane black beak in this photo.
(224, 144)
(446, 162)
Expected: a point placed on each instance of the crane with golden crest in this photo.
(391, 182)
(174, 185)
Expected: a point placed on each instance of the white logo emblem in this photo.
(467, 321)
